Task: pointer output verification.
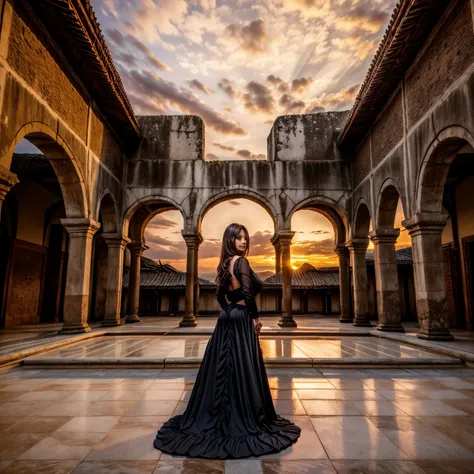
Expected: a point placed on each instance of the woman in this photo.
(230, 413)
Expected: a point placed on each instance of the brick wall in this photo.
(444, 61)
(34, 63)
(388, 130)
(361, 164)
(103, 144)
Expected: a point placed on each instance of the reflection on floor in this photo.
(410, 421)
(273, 347)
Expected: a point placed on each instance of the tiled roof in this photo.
(75, 29)
(404, 257)
(306, 279)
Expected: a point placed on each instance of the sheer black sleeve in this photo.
(244, 275)
(220, 292)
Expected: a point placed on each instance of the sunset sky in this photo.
(239, 64)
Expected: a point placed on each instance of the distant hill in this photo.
(264, 275)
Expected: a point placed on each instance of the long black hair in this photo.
(229, 249)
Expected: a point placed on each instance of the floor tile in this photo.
(288, 407)
(162, 395)
(307, 445)
(351, 394)
(90, 424)
(115, 467)
(377, 408)
(121, 444)
(63, 446)
(428, 443)
(40, 467)
(191, 466)
(243, 466)
(322, 394)
(152, 407)
(329, 407)
(402, 394)
(39, 424)
(354, 437)
(430, 407)
(300, 467)
(446, 467)
(376, 467)
(15, 444)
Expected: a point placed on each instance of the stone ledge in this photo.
(430, 346)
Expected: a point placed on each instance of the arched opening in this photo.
(34, 251)
(149, 294)
(390, 265)
(261, 227)
(315, 280)
(445, 186)
(107, 217)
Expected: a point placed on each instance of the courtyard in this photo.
(353, 420)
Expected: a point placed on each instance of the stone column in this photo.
(358, 250)
(76, 296)
(193, 240)
(425, 230)
(136, 250)
(196, 283)
(116, 244)
(284, 239)
(7, 181)
(386, 279)
(344, 283)
(276, 243)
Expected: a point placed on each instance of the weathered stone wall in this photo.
(306, 137)
(168, 137)
(31, 59)
(362, 163)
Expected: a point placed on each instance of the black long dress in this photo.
(230, 413)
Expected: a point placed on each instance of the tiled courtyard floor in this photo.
(353, 421)
(272, 348)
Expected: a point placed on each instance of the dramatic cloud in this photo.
(123, 41)
(309, 247)
(290, 104)
(201, 87)
(211, 157)
(250, 37)
(278, 83)
(338, 101)
(258, 98)
(250, 156)
(158, 90)
(224, 147)
(228, 88)
(301, 85)
(161, 222)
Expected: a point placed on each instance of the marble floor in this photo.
(272, 348)
(409, 421)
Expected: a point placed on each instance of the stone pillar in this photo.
(425, 230)
(136, 250)
(284, 239)
(116, 244)
(196, 284)
(7, 181)
(193, 240)
(76, 296)
(344, 283)
(386, 279)
(358, 250)
(276, 243)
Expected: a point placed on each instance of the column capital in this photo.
(193, 239)
(341, 250)
(384, 236)
(136, 248)
(79, 227)
(357, 245)
(428, 222)
(7, 181)
(282, 237)
(115, 239)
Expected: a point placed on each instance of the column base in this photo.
(188, 322)
(361, 323)
(132, 318)
(433, 335)
(287, 322)
(107, 323)
(75, 328)
(390, 327)
(345, 319)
